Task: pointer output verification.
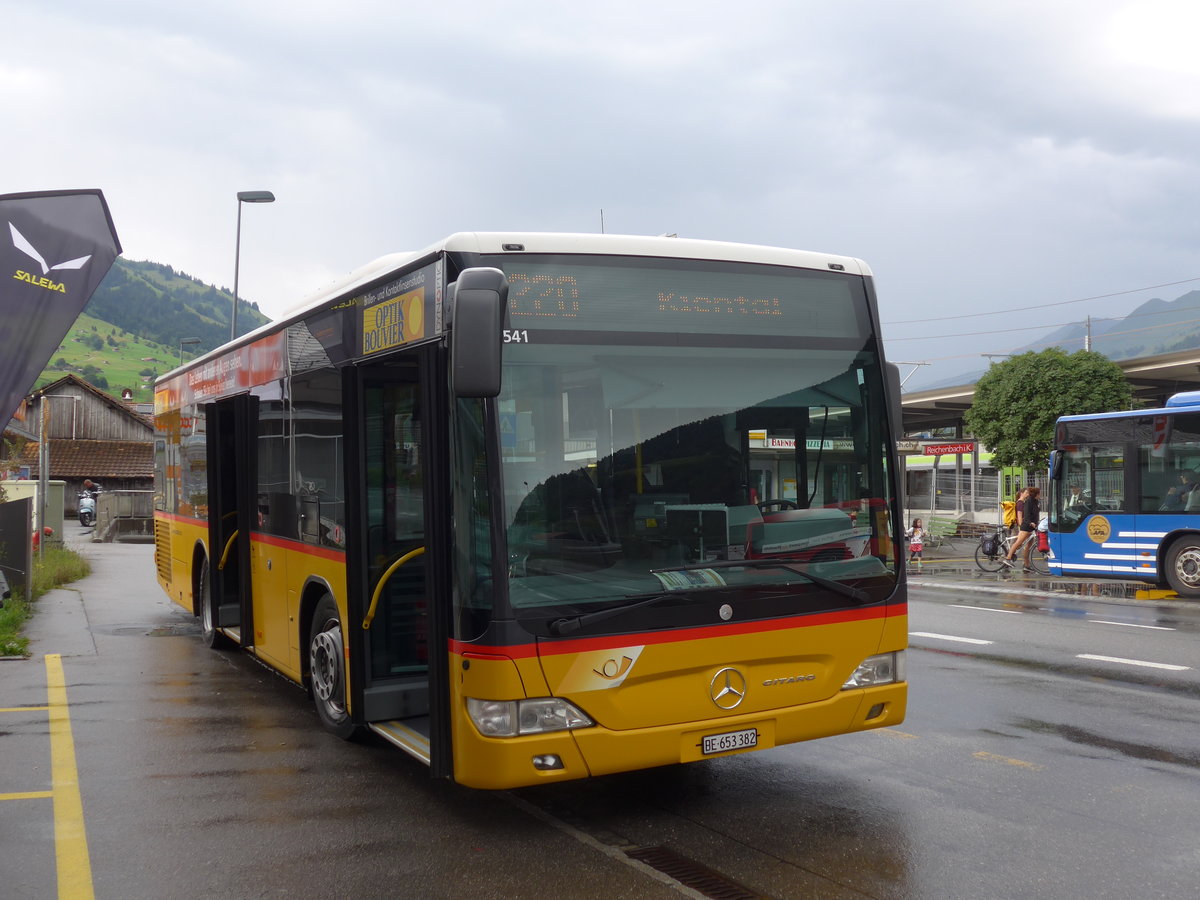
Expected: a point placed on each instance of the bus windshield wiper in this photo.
(567, 625)
(836, 586)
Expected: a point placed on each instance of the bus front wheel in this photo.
(1183, 566)
(327, 667)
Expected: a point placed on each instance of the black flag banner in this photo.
(55, 248)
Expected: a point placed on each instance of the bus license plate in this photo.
(730, 740)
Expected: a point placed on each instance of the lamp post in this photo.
(186, 342)
(243, 197)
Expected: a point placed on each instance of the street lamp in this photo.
(243, 197)
(186, 342)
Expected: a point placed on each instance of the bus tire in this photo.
(1183, 566)
(327, 669)
(208, 629)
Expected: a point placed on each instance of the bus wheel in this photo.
(327, 665)
(208, 629)
(1183, 566)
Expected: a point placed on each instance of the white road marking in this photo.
(1132, 625)
(947, 637)
(1133, 662)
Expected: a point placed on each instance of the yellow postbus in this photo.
(536, 507)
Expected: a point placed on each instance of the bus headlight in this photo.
(886, 668)
(509, 718)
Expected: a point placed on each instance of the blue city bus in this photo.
(1122, 503)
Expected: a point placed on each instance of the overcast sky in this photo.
(982, 156)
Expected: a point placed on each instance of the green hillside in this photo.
(130, 330)
(111, 358)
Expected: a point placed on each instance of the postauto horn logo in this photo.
(22, 243)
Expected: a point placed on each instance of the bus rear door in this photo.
(231, 480)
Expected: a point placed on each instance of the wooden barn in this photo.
(90, 435)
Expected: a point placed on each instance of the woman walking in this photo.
(1029, 517)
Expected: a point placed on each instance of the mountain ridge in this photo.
(1153, 327)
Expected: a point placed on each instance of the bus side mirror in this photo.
(480, 297)
(1056, 464)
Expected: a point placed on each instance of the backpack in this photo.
(990, 545)
(1010, 513)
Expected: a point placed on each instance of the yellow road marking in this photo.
(892, 732)
(1008, 760)
(28, 795)
(25, 709)
(70, 836)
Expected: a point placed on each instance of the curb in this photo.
(926, 581)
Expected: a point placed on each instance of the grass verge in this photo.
(52, 569)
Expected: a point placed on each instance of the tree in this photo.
(1017, 401)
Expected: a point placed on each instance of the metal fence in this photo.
(959, 494)
(124, 516)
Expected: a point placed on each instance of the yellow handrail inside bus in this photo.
(391, 570)
(228, 547)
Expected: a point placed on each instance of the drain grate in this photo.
(691, 874)
(179, 629)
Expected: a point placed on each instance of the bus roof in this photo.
(600, 244)
(1186, 401)
(546, 242)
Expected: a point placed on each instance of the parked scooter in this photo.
(87, 503)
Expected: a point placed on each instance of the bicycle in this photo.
(1039, 560)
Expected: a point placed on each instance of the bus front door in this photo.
(398, 630)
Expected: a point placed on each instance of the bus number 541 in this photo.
(516, 336)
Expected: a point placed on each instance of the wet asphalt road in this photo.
(1030, 766)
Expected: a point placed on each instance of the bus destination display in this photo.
(631, 294)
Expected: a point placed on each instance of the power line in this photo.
(1107, 334)
(1011, 350)
(998, 312)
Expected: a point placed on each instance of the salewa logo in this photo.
(22, 244)
(47, 283)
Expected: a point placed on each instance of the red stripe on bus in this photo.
(608, 642)
(175, 517)
(298, 546)
(260, 538)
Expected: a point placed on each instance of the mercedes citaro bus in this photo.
(536, 507)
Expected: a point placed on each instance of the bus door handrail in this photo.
(391, 570)
(228, 547)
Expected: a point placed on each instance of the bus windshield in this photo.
(646, 466)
